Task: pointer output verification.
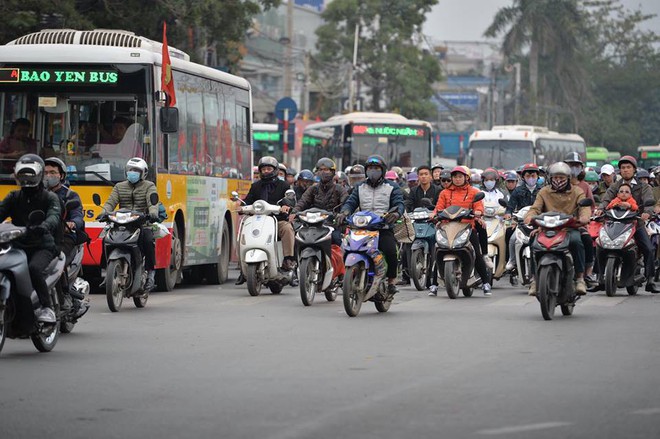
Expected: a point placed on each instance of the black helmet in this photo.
(376, 160)
(58, 163)
(291, 171)
(356, 171)
(326, 162)
(268, 161)
(445, 174)
(29, 170)
(573, 157)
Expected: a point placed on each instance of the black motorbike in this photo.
(18, 299)
(125, 275)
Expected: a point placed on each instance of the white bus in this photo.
(510, 146)
(91, 98)
(351, 138)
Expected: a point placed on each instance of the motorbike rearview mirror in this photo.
(480, 196)
(153, 198)
(96, 198)
(36, 217)
(502, 202)
(234, 195)
(71, 205)
(426, 202)
(649, 203)
(586, 202)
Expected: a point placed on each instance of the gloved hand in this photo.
(40, 229)
(102, 217)
(392, 217)
(341, 218)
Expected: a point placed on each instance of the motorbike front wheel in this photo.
(353, 290)
(383, 306)
(46, 338)
(451, 279)
(547, 292)
(419, 268)
(309, 274)
(610, 277)
(253, 279)
(115, 278)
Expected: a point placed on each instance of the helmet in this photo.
(327, 163)
(529, 167)
(490, 173)
(356, 171)
(138, 164)
(437, 166)
(267, 161)
(607, 169)
(391, 175)
(445, 174)
(376, 160)
(573, 157)
(511, 176)
(398, 170)
(591, 176)
(29, 170)
(463, 170)
(642, 173)
(281, 167)
(58, 163)
(559, 168)
(412, 176)
(341, 176)
(255, 169)
(291, 171)
(628, 159)
(306, 174)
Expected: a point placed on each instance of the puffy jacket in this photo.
(132, 196)
(459, 196)
(522, 197)
(549, 200)
(322, 196)
(19, 204)
(379, 199)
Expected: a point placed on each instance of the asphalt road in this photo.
(213, 362)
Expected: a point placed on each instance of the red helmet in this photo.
(628, 159)
(463, 170)
(529, 167)
(490, 173)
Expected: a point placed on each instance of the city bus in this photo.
(597, 156)
(92, 98)
(351, 138)
(266, 141)
(509, 146)
(648, 157)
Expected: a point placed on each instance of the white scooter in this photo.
(523, 251)
(260, 253)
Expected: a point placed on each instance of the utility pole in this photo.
(288, 56)
(351, 82)
(305, 97)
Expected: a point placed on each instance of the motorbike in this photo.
(314, 239)
(455, 256)
(365, 264)
(421, 263)
(496, 230)
(261, 256)
(653, 229)
(554, 264)
(522, 249)
(617, 252)
(125, 274)
(18, 299)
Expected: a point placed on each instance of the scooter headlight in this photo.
(361, 220)
(419, 215)
(441, 239)
(607, 243)
(259, 207)
(462, 238)
(551, 222)
(123, 217)
(314, 217)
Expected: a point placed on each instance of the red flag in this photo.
(166, 79)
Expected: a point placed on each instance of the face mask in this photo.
(280, 177)
(531, 181)
(51, 182)
(133, 176)
(575, 170)
(541, 180)
(489, 184)
(326, 177)
(374, 175)
(559, 186)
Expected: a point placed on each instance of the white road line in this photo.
(650, 411)
(523, 428)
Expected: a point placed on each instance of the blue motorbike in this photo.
(365, 264)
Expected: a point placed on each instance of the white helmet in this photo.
(138, 164)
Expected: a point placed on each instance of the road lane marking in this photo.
(650, 411)
(523, 428)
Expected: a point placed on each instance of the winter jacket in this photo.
(414, 200)
(322, 196)
(615, 202)
(132, 196)
(549, 200)
(459, 196)
(641, 192)
(271, 191)
(19, 204)
(522, 197)
(379, 199)
(493, 197)
(76, 215)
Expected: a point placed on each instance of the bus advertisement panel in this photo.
(101, 107)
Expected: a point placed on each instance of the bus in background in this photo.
(597, 156)
(510, 146)
(353, 137)
(648, 157)
(613, 158)
(313, 140)
(92, 99)
(266, 141)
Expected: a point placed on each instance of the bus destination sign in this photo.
(266, 136)
(385, 130)
(58, 76)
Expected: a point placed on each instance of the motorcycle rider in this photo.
(461, 193)
(379, 196)
(290, 176)
(642, 193)
(356, 176)
(445, 180)
(591, 178)
(425, 189)
(490, 178)
(304, 181)
(325, 195)
(134, 193)
(272, 189)
(510, 182)
(562, 196)
(608, 176)
(39, 243)
(436, 170)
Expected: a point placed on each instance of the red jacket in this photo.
(459, 196)
(615, 202)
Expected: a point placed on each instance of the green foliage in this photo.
(391, 68)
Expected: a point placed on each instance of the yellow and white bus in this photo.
(92, 99)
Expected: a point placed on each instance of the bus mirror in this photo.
(96, 198)
(169, 120)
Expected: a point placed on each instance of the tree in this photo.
(396, 72)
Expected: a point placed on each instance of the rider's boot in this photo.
(151, 280)
(241, 279)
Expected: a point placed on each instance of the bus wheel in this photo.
(167, 278)
(218, 273)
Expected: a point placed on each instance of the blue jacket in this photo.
(378, 200)
(521, 197)
(76, 215)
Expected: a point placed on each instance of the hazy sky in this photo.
(461, 20)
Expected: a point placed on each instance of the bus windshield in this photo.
(500, 154)
(93, 126)
(266, 143)
(399, 146)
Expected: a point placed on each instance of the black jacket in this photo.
(414, 198)
(270, 191)
(521, 197)
(19, 204)
(322, 196)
